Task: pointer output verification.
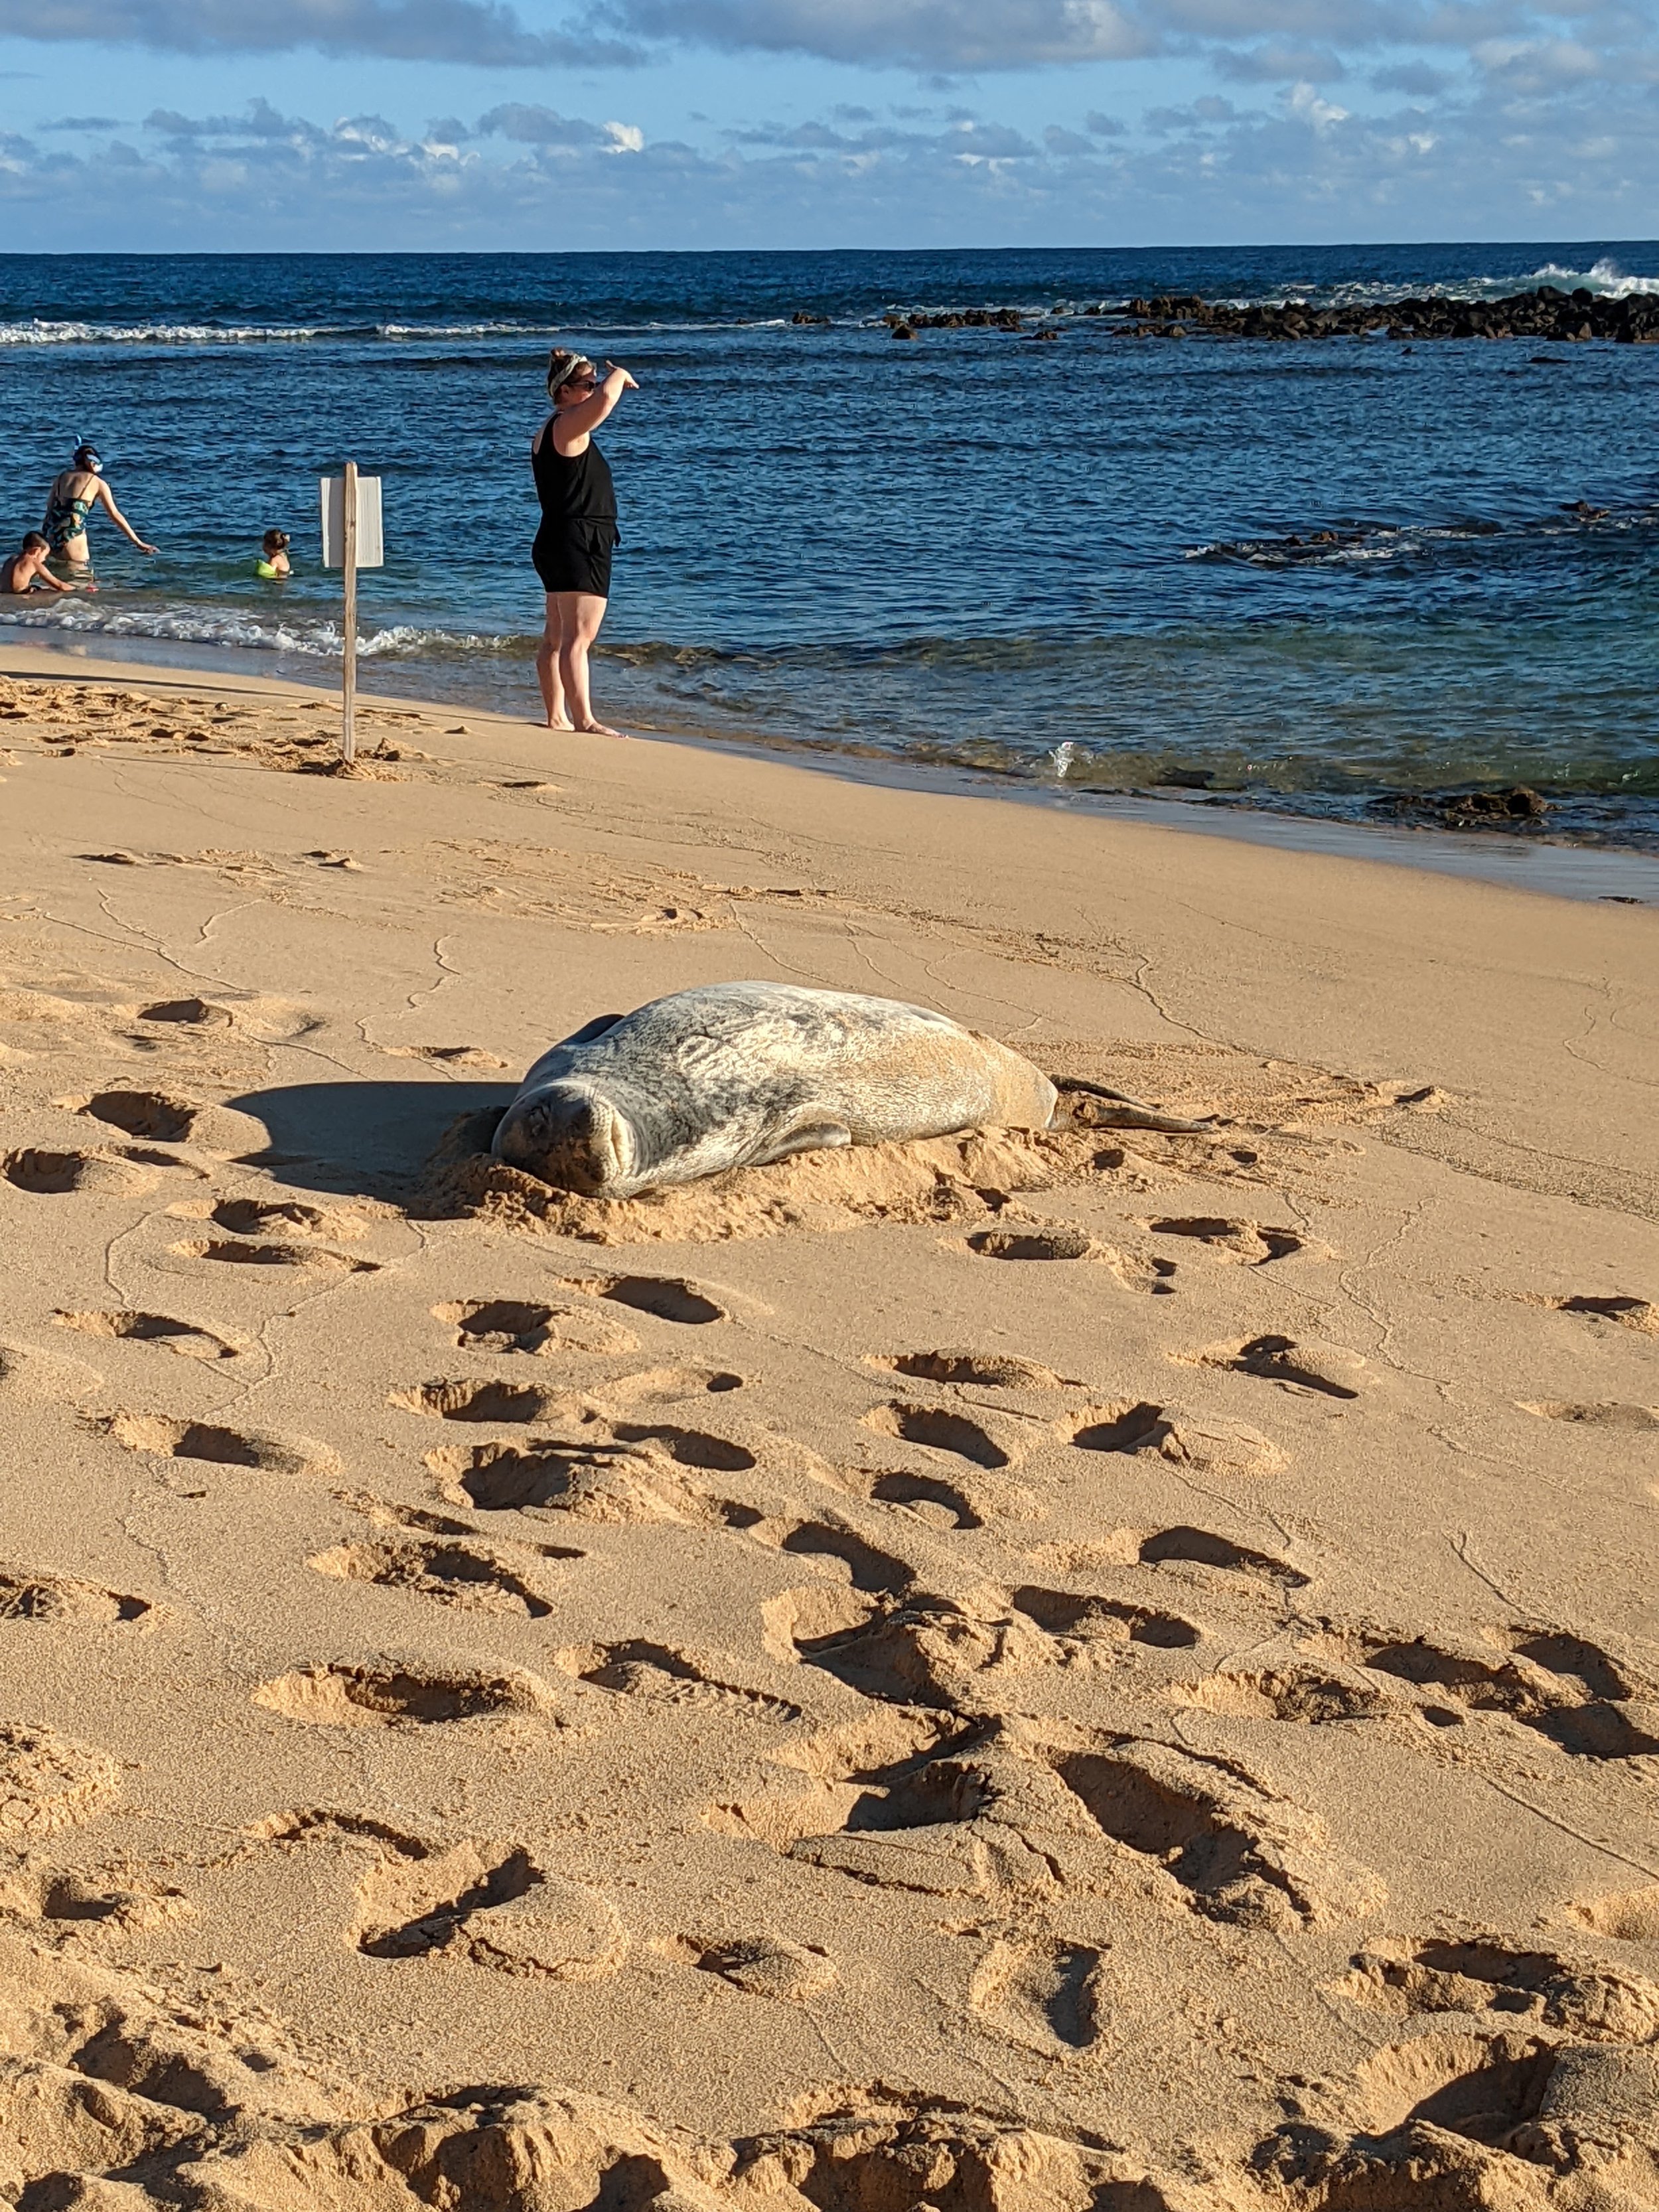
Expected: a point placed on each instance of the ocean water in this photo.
(1066, 563)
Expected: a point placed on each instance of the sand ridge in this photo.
(1082, 1669)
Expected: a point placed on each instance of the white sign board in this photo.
(371, 551)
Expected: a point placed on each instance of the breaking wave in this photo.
(315, 640)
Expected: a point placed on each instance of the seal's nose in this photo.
(568, 1138)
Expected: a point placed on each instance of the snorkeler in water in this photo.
(75, 491)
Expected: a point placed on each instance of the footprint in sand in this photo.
(102, 1174)
(938, 1430)
(496, 1907)
(1585, 1997)
(1248, 1244)
(1042, 1994)
(1087, 1617)
(248, 1217)
(389, 1513)
(865, 1567)
(184, 1337)
(667, 1386)
(990, 1370)
(921, 1649)
(1151, 1274)
(1560, 1685)
(484, 1401)
(447, 1569)
(1200, 1547)
(599, 1482)
(195, 1013)
(932, 1500)
(1127, 1424)
(49, 1781)
(639, 1669)
(1237, 1850)
(1638, 1314)
(1628, 1916)
(31, 1593)
(315, 1257)
(516, 1325)
(1451, 2092)
(1305, 1696)
(346, 1696)
(151, 1114)
(667, 1297)
(171, 1439)
(769, 1966)
(445, 1055)
(990, 1807)
(1629, 1420)
(1311, 1370)
(689, 1447)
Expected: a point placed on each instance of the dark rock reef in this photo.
(1546, 313)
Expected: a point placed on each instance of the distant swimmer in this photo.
(578, 533)
(27, 571)
(70, 504)
(273, 562)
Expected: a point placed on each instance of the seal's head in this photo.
(570, 1133)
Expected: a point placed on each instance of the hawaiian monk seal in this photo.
(733, 1075)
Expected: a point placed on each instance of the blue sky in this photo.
(220, 124)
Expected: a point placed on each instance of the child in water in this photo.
(27, 571)
(273, 560)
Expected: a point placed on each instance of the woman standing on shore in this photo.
(579, 532)
(75, 493)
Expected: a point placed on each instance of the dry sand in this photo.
(1024, 1674)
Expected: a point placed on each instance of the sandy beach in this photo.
(1079, 1672)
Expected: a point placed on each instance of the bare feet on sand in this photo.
(598, 730)
(553, 724)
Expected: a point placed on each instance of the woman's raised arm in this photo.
(583, 419)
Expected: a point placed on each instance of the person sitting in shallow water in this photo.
(27, 571)
(273, 561)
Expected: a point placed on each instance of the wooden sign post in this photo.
(352, 539)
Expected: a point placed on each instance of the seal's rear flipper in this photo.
(809, 1135)
(589, 1030)
(1120, 1111)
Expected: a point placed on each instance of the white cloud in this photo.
(1304, 102)
(936, 34)
(488, 33)
(1296, 166)
(1276, 63)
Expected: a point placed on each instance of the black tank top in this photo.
(573, 489)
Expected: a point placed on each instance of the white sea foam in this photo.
(316, 640)
(37, 331)
(1604, 276)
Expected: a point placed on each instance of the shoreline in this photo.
(1541, 864)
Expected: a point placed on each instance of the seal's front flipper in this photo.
(589, 1030)
(811, 1134)
(1120, 1111)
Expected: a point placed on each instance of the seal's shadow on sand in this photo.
(365, 1139)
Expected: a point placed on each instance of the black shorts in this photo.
(576, 556)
